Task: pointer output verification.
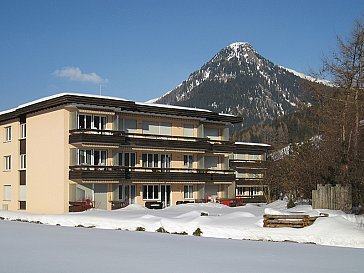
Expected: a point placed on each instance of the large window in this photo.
(8, 133)
(188, 191)
(92, 157)
(248, 191)
(156, 161)
(7, 163)
(7, 192)
(127, 159)
(151, 192)
(91, 122)
(150, 160)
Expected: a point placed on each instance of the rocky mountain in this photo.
(239, 81)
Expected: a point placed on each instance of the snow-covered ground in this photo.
(33, 248)
(339, 229)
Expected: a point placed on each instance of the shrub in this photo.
(197, 232)
(290, 204)
(140, 229)
(162, 230)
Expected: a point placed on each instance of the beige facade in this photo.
(111, 153)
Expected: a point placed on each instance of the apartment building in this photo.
(68, 148)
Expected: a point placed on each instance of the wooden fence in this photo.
(332, 197)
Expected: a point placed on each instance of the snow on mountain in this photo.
(239, 81)
(306, 77)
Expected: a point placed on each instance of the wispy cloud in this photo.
(75, 74)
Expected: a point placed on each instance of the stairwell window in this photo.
(23, 162)
(8, 134)
(7, 163)
(23, 131)
(7, 192)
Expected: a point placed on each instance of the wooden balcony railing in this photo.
(149, 140)
(96, 136)
(149, 174)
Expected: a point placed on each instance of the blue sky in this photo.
(139, 50)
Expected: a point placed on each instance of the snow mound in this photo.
(218, 221)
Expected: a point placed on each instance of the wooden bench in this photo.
(292, 221)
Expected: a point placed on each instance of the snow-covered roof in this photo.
(57, 96)
(45, 99)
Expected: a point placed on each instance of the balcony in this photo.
(139, 174)
(148, 140)
(247, 164)
(103, 173)
(96, 136)
(164, 141)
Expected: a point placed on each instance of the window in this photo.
(99, 122)
(85, 157)
(188, 191)
(239, 191)
(7, 163)
(92, 157)
(23, 163)
(23, 130)
(100, 157)
(92, 122)
(151, 192)
(150, 160)
(127, 159)
(165, 161)
(156, 161)
(8, 133)
(188, 161)
(7, 192)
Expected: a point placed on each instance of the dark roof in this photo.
(123, 105)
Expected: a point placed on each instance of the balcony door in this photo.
(100, 157)
(166, 195)
(129, 193)
(165, 161)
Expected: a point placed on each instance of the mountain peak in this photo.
(237, 45)
(239, 81)
(237, 50)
